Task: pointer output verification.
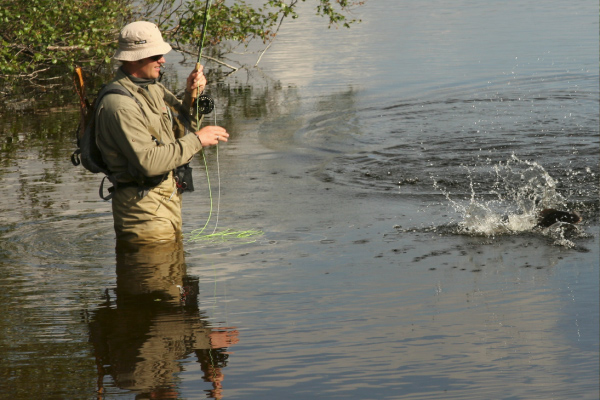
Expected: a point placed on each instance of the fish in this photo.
(550, 216)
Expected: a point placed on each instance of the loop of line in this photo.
(198, 235)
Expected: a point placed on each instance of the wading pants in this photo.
(154, 218)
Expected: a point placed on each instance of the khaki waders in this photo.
(155, 217)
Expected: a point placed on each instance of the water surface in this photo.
(392, 170)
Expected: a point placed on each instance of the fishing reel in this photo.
(204, 104)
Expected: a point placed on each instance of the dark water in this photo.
(394, 172)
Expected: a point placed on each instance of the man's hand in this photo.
(222, 338)
(196, 80)
(211, 135)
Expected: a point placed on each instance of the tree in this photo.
(42, 39)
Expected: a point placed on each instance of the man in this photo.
(137, 141)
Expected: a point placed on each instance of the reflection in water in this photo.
(141, 338)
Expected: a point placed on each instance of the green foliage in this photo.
(238, 22)
(327, 8)
(42, 39)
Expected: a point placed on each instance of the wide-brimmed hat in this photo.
(140, 40)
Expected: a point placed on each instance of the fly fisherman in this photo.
(138, 143)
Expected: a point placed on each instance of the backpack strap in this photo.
(111, 88)
(120, 89)
(111, 190)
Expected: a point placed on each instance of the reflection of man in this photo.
(154, 324)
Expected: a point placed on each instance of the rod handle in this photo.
(195, 90)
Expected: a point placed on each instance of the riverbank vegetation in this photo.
(43, 40)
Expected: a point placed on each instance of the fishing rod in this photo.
(204, 103)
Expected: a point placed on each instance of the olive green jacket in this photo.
(128, 138)
(140, 142)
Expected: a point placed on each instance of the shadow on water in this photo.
(150, 326)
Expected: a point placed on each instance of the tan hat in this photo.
(140, 40)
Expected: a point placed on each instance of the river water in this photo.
(382, 184)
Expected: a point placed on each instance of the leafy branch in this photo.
(43, 39)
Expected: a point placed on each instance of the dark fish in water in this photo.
(550, 216)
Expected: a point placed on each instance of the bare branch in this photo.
(64, 48)
(216, 60)
(273, 38)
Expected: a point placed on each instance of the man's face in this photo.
(149, 68)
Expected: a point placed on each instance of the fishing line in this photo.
(218, 183)
(243, 236)
(198, 235)
(205, 105)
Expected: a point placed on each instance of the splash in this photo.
(507, 198)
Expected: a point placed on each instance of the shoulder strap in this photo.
(119, 89)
